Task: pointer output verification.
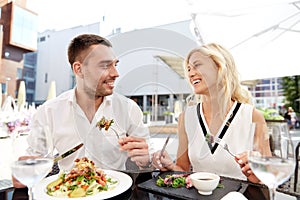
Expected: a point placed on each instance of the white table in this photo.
(10, 150)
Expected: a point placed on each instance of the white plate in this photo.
(124, 182)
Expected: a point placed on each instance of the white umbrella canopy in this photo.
(277, 58)
(9, 105)
(263, 36)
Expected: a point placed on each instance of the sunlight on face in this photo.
(99, 71)
(202, 73)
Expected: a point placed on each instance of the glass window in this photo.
(31, 85)
(24, 28)
(46, 77)
(19, 73)
(42, 39)
(29, 97)
(3, 88)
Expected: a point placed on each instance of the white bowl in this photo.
(205, 182)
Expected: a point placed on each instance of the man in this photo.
(73, 116)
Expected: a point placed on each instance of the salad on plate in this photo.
(174, 181)
(83, 180)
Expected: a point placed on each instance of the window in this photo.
(29, 97)
(24, 28)
(19, 73)
(29, 74)
(31, 85)
(3, 88)
(42, 39)
(46, 77)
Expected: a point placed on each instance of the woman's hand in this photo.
(242, 160)
(162, 162)
(137, 150)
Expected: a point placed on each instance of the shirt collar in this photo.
(72, 98)
(106, 99)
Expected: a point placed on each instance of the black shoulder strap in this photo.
(200, 120)
(238, 105)
(202, 125)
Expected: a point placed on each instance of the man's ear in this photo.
(77, 69)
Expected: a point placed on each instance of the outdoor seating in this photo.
(296, 167)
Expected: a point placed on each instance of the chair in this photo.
(296, 167)
(55, 170)
(6, 186)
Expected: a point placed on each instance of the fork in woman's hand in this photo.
(224, 145)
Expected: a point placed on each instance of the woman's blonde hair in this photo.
(228, 82)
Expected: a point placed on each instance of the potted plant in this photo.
(169, 117)
(146, 117)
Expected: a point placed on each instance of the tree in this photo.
(291, 91)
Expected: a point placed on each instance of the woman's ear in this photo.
(77, 69)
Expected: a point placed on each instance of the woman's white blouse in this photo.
(237, 136)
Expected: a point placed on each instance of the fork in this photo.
(224, 145)
(116, 133)
(164, 147)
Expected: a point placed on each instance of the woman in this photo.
(213, 75)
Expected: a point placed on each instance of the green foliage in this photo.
(291, 91)
(271, 114)
(146, 113)
(168, 113)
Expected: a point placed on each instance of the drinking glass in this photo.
(272, 157)
(31, 170)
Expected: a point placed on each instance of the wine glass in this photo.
(272, 156)
(30, 170)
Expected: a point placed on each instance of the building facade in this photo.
(147, 57)
(268, 93)
(29, 75)
(18, 33)
(144, 76)
(52, 62)
(147, 74)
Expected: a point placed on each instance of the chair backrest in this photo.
(296, 167)
(6, 185)
(55, 168)
(54, 171)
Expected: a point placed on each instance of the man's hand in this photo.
(137, 150)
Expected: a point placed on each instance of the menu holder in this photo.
(190, 193)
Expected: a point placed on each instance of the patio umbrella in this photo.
(263, 36)
(9, 105)
(52, 91)
(21, 96)
(272, 58)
